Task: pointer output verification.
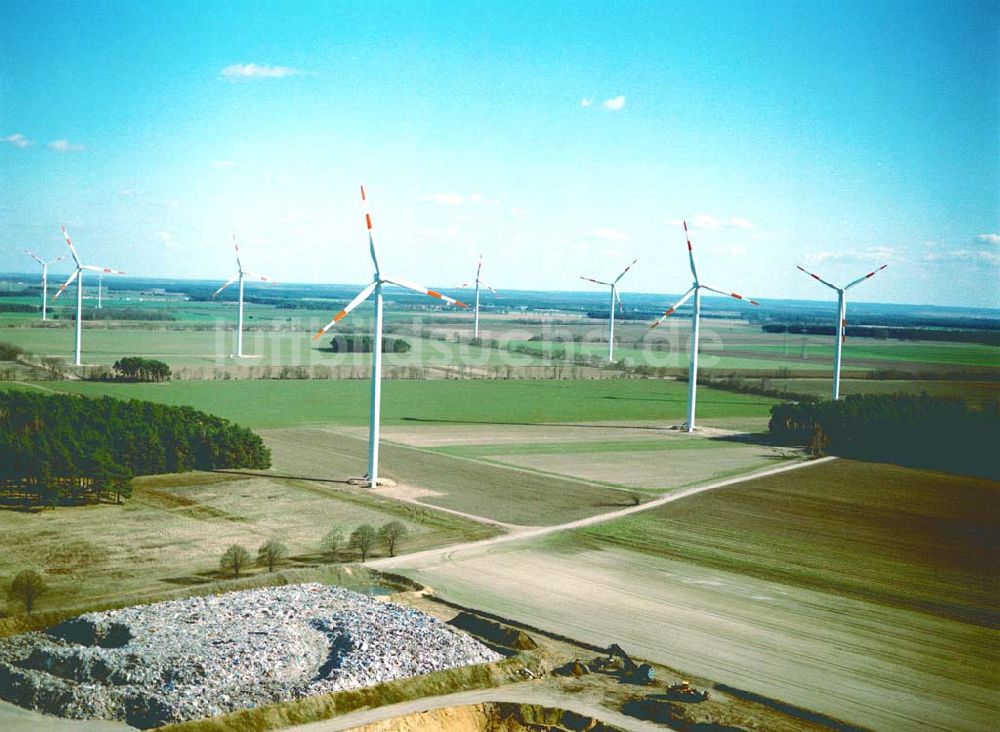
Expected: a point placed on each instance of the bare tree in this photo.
(333, 541)
(392, 534)
(27, 586)
(235, 558)
(270, 553)
(363, 539)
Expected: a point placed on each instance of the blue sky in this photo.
(560, 139)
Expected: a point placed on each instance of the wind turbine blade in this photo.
(236, 246)
(488, 287)
(371, 240)
(34, 256)
(358, 299)
(591, 279)
(694, 270)
(625, 270)
(687, 296)
(817, 278)
(67, 283)
(260, 277)
(427, 291)
(479, 268)
(867, 276)
(106, 270)
(231, 281)
(734, 295)
(60, 258)
(618, 296)
(71, 248)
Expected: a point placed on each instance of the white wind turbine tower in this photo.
(479, 283)
(239, 276)
(841, 331)
(78, 276)
(695, 291)
(614, 296)
(378, 280)
(45, 277)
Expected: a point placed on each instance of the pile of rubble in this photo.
(173, 661)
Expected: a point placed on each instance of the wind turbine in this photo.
(841, 332)
(45, 277)
(78, 276)
(239, 276)
(478, 283)
(614, 295)
(378, 280)
(695, 291)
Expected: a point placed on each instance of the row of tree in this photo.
(136, 368)
(362, 540)
(63, 449)
(343, 343)
(919, 431)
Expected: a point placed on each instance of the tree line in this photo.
(63, 449)
(363, 344)
(918, 431)
(135, 368)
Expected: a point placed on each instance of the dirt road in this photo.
(528, 693)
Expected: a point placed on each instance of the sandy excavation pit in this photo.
(185, 659)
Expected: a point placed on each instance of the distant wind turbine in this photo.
(695, 291)
(239, 276)
(78, 276)
(611, 316)
(478, 282)
(841, 331)
(45, 277)
(378, 280)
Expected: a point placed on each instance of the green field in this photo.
(907, 538)
(278, 403)
(895, 352)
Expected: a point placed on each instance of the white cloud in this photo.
(458, 199)
(705, 221)
(989, 238)
(65, 146)
(223, 164)
(606, 234)
(17, 140)
(240, 72)
(964, 255)
(449, 232)
(612, 253)
(165, 239)
(738, 222)
(737, 251)
(614, 104)
(518, 212)
(879, 255)
(586, 102)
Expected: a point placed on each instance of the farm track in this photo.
(456, 551)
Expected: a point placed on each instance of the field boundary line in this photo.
(534, 532)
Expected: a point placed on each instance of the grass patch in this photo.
(172, 534)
